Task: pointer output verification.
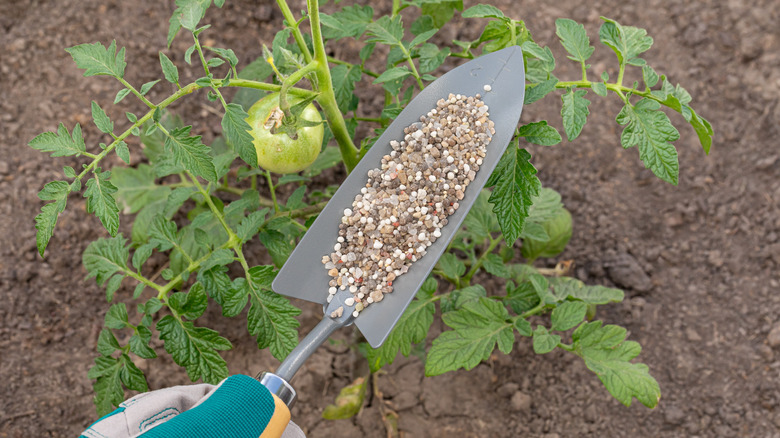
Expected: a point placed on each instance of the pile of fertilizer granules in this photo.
(405, 203)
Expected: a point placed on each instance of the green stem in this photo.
(411, 65)
(137, 93)
(291, 80)
(246, 83)
(396, 7)
(140, 278)
(290, 19)
(327, 99)
(475, 267)
(200, 54)
(370, 119)
(272, 189)
(539, 307)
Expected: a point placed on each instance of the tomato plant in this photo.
(200, 206)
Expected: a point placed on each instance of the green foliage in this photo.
(206, 211)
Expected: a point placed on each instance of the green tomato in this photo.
(279, 153)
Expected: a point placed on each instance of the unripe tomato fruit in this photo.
(279, 153)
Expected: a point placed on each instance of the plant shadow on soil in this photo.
(698, 261)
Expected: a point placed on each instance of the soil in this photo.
(699, 262)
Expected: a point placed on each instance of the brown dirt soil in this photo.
(699, 262)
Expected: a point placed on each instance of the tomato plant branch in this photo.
(493, 244)
(294, 27)
(291, 80)
(411, 65)
(136, 92)
(327, 99)
(371, 73)
(272, 190)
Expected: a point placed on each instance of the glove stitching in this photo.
(142, 427)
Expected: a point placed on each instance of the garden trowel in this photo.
(500, 78)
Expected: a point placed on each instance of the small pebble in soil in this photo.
(406, 201)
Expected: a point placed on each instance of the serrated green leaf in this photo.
(522, 297)
(100, 200)
(228, 54)
(451, 266)
(441, 11)
(122, 152)
(142, 254)
(61, 143)
(351, 21)
(540, 133)
(568, 315)
(112, 286)
(107, 343)
(544, 341)
(116, 317)
(523, 327)
(649, 76)
(219, 257)
(189, 152)
(344, 79)
(574, 39)
(393, 74)
(102, 121)
(460, 297)
(703, 130)
(651, 130)
(139, 343)
(515, 185)
(478, 327)
(271, 317)
(574, 112)
(170, 71)
(386, 31)
(539, 91)
(493, 265)
(279, 246)
(627, 42)
(96, 59)
(190, 13)
(236, 131)
(195, 348)
(411, 328)
(108, 386)
(136, 187)
(599, 88)
(608, 354)
(558, 230)
(483, 11)
(423, 37)
(46, 220)
(573, 288)
(105, 257)
(431, 57)
(217, 284)
(251, 225)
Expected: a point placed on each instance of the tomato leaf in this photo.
(574, 39)
(574, 112)
(540, 133)
(271, 317)
(46, 220)
(236, 130)
(195, 349)
(100, 200)
(189, 152)
(544, 341)
(61, 143)
(411, 328)
(516, 184)
(626, 41)
(97, 59)
(478, 327)
(651, 130)
(105, 257)
(170, 71)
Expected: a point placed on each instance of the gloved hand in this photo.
(239, 407)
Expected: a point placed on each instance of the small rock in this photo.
(674, 416)
(507, 389)
(766, 352)
(625, 271)
(774, 336)
(692, 335)
(4, 168)
(715, 258)
(591, 414)
(521, 402)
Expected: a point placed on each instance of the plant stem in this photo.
(290, 19)
(137, 93)
(272, 189)
(327, 99)
(246, 83)
(411, 65)
(291, 80)
(200, 54)
(396, 7)
(493, 244)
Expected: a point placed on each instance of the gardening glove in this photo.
(239, 407)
